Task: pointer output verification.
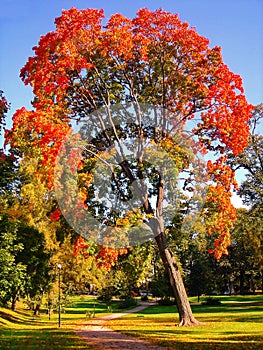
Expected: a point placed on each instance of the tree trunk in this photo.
(37, 310)
(14, 299)
(156, 224)
(241, 282)
(183, 305)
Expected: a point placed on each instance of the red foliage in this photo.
(55, 215)
(80, 247)
(107, 256)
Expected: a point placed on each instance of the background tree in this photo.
(251, 189)
(80, 269)
(12, 271)
(153, 58)
(251, 160)
(246, 252)
(136, 269)
(24, 259)
(36, 258)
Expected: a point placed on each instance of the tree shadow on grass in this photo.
(43, 339)
(17, 318)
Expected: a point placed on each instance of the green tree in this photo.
(79, 270)
(12, 271)
(135, 268)
(246, 250)
(251, 160)
(36, 258)
(251, 189)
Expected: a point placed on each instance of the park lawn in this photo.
(236, 324)
(20, 330)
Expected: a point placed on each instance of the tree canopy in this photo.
(153, 58)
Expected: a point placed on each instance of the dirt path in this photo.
(99, 337)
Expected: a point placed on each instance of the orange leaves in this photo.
(195, 77)
(38, 134)
(74, 159)
(61, 52)
(220, 213)
(227, 117)
(81, 247)
(221, 217)
(118, 39)
(165, 27)
(105, 257)
(221, 173)
(75, 20)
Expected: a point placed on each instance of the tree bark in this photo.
(241, 282)
(157, 225)
(14, 299)
(37, 310)
(185, 313)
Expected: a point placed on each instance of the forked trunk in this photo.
(183, 305)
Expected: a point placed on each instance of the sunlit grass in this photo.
(236, 324)
(21, 330)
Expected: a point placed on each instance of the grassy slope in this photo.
(20, 330)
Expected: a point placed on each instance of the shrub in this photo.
(106, 295)
(211, 301)
(128, 302)
(166, 301)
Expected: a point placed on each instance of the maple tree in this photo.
(153, 58)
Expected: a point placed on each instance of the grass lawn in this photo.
(20, 330)
(236, 324)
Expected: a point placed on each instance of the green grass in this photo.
(235, 325)
(20, 330)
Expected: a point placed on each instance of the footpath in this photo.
(95, 333)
